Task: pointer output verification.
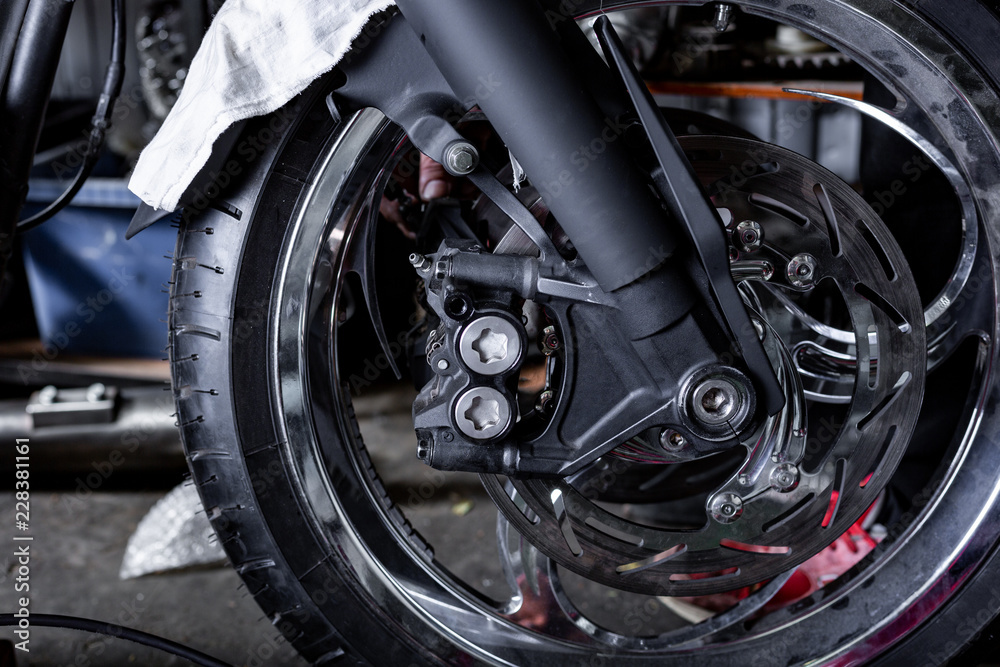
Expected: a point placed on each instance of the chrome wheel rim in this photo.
(345, 506)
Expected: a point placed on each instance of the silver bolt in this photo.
(443, 364)
(671, 440)
(490, 345)
(482, 413)
(801, 270)
(723, 15)
(785, 477)
(748, 236)
(420, 263)
(726, 507)
(461, 158)
(715, 400)
(96, 392)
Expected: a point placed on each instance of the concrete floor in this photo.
(76, 553)
(80, 541)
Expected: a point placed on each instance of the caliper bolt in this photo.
(801, 270)
(482, 413)
(726, 507)
(785, 477)
(490, 345)
(461, 158)
(748, 236)
(671, 440)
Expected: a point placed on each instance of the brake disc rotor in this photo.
(802, 483)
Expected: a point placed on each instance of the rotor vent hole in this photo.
(831, 218)
(753, 548)
(878, 249)
(728, 573)
(652, 561)
(613, 532)
(890, 434)
(836, 494)
(790, 513)
(872, 356)
(886, 401)
(782, 209)
(883, 304)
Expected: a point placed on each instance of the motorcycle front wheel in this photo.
(261, 286)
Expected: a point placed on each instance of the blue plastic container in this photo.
(95, 293)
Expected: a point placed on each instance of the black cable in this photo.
(118, 631)
(99, 124)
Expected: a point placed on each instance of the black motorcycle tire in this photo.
(225, 278)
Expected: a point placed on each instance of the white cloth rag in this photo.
(256, 56)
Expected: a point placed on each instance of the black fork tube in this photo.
(505, 56)
(24, 98)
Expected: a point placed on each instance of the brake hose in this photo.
(118, 631)
(99, 124)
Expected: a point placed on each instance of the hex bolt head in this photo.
(672, 441)
(726, 507)
(715, 401)
(801, 270)
(785, 477)
(748, 236)
(461, 158)
(482, 413)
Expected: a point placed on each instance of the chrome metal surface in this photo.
(748, 235)
(788, 526)
(911, 575)
(801, 270)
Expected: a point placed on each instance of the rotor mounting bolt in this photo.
(671, 440)
(785, 477)
(748, 236)
(801, 270)
(726, 507)
(461, 158)
(482, 413)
